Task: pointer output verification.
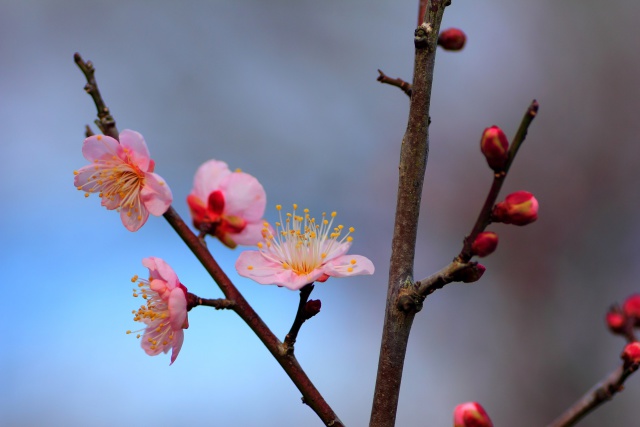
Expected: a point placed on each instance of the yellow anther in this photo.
(75, 172)
(351, 229)
(250, 267)
(86, 194)
(350, 270)
(353, 262)
(260, 245)
(238, 170)
(349, 239)
(333, 214)
(306, 211)
(128, 332)
(295, 206)
(138, 336)
(323, 255)
(99, 137)
(134, 278)
(278, 207)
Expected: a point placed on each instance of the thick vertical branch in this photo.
(413, 161)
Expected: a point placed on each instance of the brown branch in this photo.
(601, 393)
(302, 315)
(484, 217)
(310, 395)
(413, 161)
(406, 87)
(105, 121)
(218, 303)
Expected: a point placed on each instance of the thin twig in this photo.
(301, 316)
(105, 121)
(310, 395)
(406, 87)
(413, 160)
(601, 393)
(484, 217)
(218, 303)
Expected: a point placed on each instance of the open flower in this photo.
(228, 205)
(164, 311)
(122, 175)
(302, 251)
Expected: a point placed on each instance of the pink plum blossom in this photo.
(227, 205)
(122, 175)
(164, 311)
(302, 251)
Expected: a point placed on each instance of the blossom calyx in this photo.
(631, 354)
(471, 414)
(484, 244)
(631, 308)
(519, 208)
(227, 205)
(452, 39)
(495, 147)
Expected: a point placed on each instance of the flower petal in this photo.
(155, 194)
(208, 178)
(159, 269)
(132, 220)
(253, 265)
(178, 339)
(135, 148)
(177, 308)
(348, 265)
(245, 196)
(100, 147)
(250, 235)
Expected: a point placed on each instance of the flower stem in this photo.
(301, 317)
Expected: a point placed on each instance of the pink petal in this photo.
(155, 194)
(159, 269)
(134, 221)
(334, 249)
(84, 175)
(245, 196)
(100, 147)
(177, 308)
(178, 339)
(338, 267)
(208, 178)
(267, 272)
(112, 202)
(137, 150)
(151, 332)
(250, 235)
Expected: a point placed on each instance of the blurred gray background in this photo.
(286, 91)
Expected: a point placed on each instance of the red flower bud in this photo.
(495, 147)
(452, 39)
(631, 353)
(472, 273)
(485, 243)
(519, 208)
(616, 320)
(631, 308)
(471, 414)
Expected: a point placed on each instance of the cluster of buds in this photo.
(622, 320)
(471, 414)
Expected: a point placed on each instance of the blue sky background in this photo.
(286, 91)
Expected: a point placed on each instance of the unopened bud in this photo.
(484, 244)
(631, 354)
(452, 39)
(495, 147)
(631, 308)
(471, 414)
(519, 208)
(312, 307)
(616, 320)
(472, 273)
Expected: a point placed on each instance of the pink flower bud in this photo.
(519, 208)
(471, 414)
(495, 147)
(631, 353)
(470, 274)
(616, 320)
(452, 39)
(484, 244)
(631, 308)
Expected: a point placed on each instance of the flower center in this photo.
(301, 243)
(154, 313)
